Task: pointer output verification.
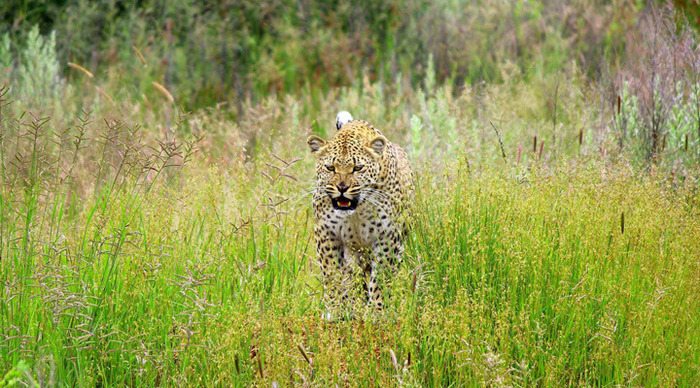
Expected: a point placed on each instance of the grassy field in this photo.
(588, 276)
(555, 239)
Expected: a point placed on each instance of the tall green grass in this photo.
(555, 238)
(148, 255)
(588, 276)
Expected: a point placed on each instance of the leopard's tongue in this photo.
(343, 203)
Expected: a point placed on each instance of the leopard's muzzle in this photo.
(343, 197)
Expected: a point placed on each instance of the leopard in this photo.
(361, 204)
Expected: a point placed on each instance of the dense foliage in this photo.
(206, 52)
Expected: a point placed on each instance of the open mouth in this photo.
(342, 203)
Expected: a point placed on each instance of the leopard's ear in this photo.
(377, 145)
(315, 143)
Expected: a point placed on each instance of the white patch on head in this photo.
(342, 118)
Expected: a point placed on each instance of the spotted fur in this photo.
(363, 188)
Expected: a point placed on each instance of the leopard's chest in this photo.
(360, 229)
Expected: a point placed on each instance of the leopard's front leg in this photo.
(386, 254)
(335, 269)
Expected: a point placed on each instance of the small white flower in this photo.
(342, 118)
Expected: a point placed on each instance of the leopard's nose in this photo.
(342, 187)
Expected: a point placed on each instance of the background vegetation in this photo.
(155, 221)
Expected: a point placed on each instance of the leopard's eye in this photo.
(358, 167)
(330, 167)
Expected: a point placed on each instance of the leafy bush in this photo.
(656, 109)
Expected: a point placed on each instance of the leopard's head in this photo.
(348, 167)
